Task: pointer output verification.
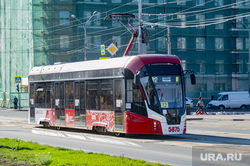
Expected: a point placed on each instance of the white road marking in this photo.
(82, 137)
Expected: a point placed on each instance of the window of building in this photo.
(116, 1)
(218, 2)
(184, 64)
(115, 23)
(64, 42)
(161, 43)
(219, 44)
(182, 18)
(248, 21)
(239, 23)
(239, 43)
(181, 2)
(247, 43)
(219, 66)
(219, 87)
(118, 40)
(64, 18)
(200, 43)
(181, 43)
(160, 1)
(202, 66)
(135, 21)
(97, 41)
(97, 19)
(219, 19)
(87, 15)
(200, 18)
(240, 66)
(200, 2)
(201, 87)
(162, 23)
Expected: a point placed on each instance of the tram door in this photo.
(32, 102)
(80, 116)
(119, 104)
(59, 104)
(57, 101)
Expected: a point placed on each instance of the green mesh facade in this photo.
(16, 47)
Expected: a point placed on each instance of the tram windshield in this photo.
(163, 91)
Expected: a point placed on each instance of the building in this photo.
(209, 37)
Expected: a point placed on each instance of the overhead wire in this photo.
(161, 25)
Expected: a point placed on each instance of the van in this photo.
(239, 99)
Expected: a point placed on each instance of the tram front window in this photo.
(169, 91)
(163, 91)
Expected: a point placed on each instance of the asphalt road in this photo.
(206, 135)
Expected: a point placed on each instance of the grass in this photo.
(16, 152)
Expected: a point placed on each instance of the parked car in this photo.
(239, 99)
(189, 103)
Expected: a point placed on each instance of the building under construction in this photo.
(210, 37)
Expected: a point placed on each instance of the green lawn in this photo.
(17, 152)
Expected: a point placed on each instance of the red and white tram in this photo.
(141, 94)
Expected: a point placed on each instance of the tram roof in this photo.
(130, 62)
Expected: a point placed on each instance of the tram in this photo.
(141, 94)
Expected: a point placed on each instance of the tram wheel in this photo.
(46, 125)
(119, 134)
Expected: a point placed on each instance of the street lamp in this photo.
(85, 32)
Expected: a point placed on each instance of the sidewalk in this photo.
(243, 117)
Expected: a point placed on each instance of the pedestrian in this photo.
(212, 96)
(15, 102)
(200, 105)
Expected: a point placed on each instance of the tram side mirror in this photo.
(193, 79)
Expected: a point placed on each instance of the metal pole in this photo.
(85, 43)
(169, 43)
(249, 60)
(141, 46)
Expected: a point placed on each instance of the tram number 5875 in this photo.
(174, 129)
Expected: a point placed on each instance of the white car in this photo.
(189, 102)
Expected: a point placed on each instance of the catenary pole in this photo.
(141, 46)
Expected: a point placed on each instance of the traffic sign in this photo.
(18, 79)
(102, 49)
(112, 49)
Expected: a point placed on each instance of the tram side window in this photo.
(69, 95)
(150, 94)
(32, 94)
(138, 105)
(92, 95)
(106, 95)
(49, 95)
(82, 95)
(40, 96)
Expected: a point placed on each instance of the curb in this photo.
(195, 118)
(190, 119)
